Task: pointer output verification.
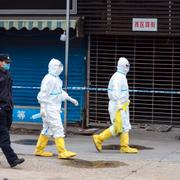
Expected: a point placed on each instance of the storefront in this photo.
(32, 38)
(153, 77)
(147, 34)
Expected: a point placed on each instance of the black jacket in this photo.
(6, 101)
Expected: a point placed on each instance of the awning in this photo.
(39, 23)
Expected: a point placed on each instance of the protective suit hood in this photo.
(123, 65)
(55, 67)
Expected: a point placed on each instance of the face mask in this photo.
(127, 68)
(59, 70)
(6, 66)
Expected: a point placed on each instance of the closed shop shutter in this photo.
(154, 77)
(31, 52)
(115, 16)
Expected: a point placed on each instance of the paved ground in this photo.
(158, 159)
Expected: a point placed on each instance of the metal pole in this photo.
(66, 60)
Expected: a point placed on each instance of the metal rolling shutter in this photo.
(31, 52)
(115, 16)
(175, 21)
(154, 77)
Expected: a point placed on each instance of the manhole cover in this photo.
(117, 147)
(79, 163)
(177, 137)
(30, 142)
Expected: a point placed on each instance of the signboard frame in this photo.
(36, 11)
(145, 24)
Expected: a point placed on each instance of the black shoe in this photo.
(16, 162)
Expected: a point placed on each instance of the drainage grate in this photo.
(30, 142)
(117, 147)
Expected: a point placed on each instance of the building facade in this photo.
(30, 33)
(147, 34)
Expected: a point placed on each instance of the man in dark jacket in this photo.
(6, 110)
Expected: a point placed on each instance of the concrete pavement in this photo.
(158, 158)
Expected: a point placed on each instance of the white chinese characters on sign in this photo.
(144, 24)
(21, 115)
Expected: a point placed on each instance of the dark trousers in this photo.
(5, 144)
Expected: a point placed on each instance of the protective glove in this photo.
(119, 106)
(74, 101)
(43, 110)
(123, 106)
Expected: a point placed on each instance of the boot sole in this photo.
(128, 152)
(42, 155)
(95, 144)
(67, 157)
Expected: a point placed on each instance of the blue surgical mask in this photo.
(6, 66)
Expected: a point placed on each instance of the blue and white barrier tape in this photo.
(25, 87)
(105, 89)
(155, 91)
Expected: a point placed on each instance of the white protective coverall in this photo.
(118, 93)
(50, 97)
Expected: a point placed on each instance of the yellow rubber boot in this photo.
(40, 146)
(63, 153)
(99, 139)
(124, 142)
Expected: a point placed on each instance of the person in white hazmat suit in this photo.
(50, 98)
(118, 93)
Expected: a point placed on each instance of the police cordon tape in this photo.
(106, 89)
